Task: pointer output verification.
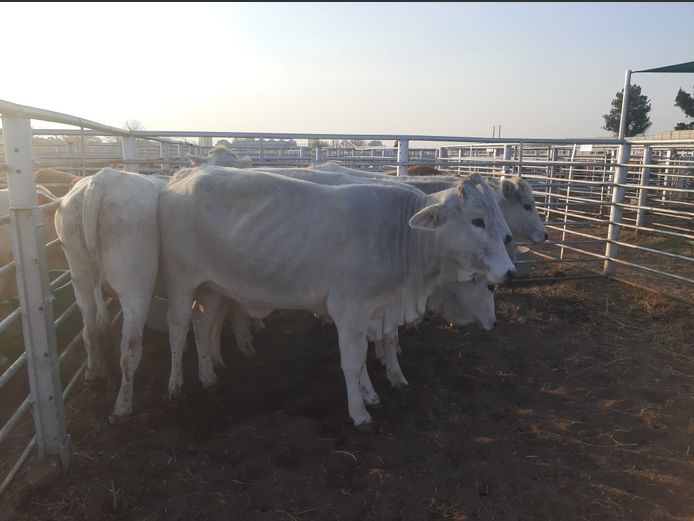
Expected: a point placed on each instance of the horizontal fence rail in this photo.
(610, 207)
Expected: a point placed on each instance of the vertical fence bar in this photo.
(318, 153)
(443, 154)
(403, 156)
(507, 157)
(182, 161)
(643, 192)
(666, 177)
(620, 175)
(551, 154)
(569, 179)
(164, 151)
(520, 159)
(35, 298)
(84, 170)
(129, 153)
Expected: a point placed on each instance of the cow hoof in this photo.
(116, 419)
(215, 388)
(366, 428)
(377, 406)
(249, 352)
(93, 381)
(174, 401)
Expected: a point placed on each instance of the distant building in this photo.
(671, 134)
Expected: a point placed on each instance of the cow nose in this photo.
(546, 235)
(508, 238)
(494, 324)
(510, 274)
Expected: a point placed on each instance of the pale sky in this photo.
(536, 69)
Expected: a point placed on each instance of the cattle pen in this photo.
(577, 406)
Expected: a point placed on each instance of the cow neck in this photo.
(422, 264)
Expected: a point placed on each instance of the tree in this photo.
(314, 143)
(133, 124)
(637, 113)
(685, 101)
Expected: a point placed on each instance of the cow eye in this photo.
(478, 222)
(528, 207)
(491, 288)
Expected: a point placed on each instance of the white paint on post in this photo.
(35, 298)
(129, 153)
(182, 160)
(403, 156)
(507, 157)
(164, 150)
(625, 105)
(645, 181)
(620, 175)
(567, 201)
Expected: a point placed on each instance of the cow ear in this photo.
(430, 218)
(245, 162)
(195, 160)
(44, 196)
(508, 188)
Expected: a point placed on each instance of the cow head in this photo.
(471, 232)
(221, 156)
(518, 206)
(464, 302)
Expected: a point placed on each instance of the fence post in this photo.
(164, 150)
(643, 192)
(507, 157)
(620, 175)
(318, 153)
(443, 154)
(666, 177)
(182, 160)
(129, 153)
(520, 159)
(403, 156)
(570, 178)
(35, 298)
(551, 156)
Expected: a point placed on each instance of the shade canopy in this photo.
(681, 67)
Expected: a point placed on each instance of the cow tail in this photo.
(91, 209)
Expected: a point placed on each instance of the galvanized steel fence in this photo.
(618, 208)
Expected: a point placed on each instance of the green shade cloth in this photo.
(682, 67)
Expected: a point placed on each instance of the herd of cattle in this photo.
(222, 239)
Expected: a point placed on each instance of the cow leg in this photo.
(368, 393)
(178, 318)
(242, 330)
(134, 316)
(380, 351)
(352, 341)
(204, 315)
(216, 335)
(391, 346)
(84, 295)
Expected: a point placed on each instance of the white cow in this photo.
(514, 196)
(516, 201)
(108, 228)
(367, 255)
(460, 302)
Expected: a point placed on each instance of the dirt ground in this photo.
(577, 406)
